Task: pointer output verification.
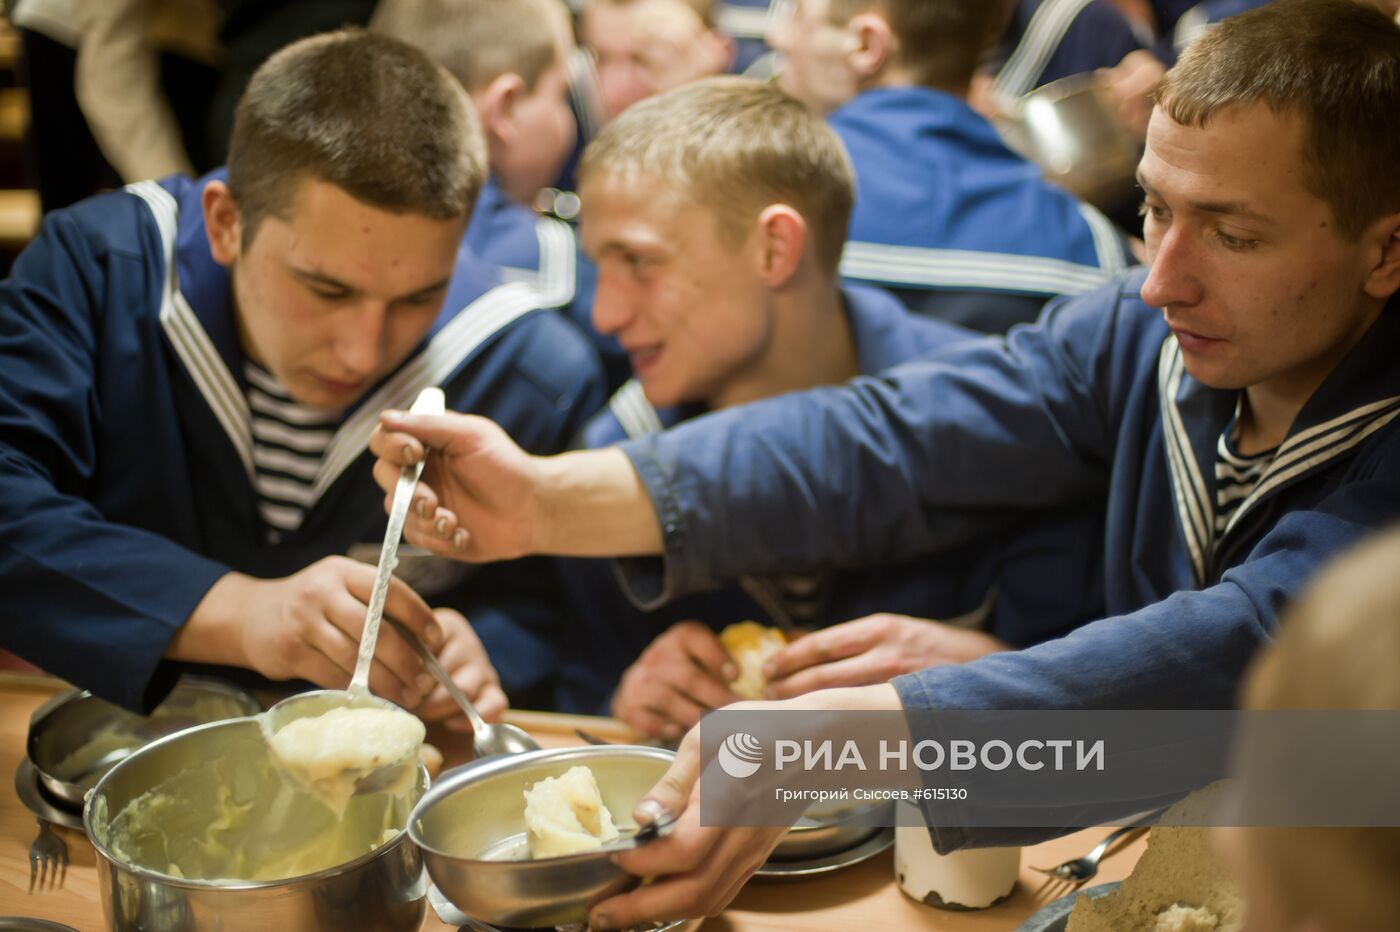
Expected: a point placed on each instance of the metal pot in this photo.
(1068, 128)
(381, 890)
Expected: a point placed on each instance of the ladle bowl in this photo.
(321, 701)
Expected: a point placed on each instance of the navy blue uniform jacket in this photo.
(125, 450)
(955, 223)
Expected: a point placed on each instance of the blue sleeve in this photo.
(1188, 651)
(92, 601)
(890, 467)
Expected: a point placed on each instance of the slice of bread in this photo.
(1177, 886)
(749, 644)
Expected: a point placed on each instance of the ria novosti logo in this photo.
(740, 755)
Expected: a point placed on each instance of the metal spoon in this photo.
(487, 740)
(430, 401)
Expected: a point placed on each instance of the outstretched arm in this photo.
(482, 498)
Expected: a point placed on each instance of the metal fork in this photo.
(48, 859)
(1074, 873)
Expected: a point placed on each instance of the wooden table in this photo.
(859, 897)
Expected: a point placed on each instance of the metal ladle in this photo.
(430, 401)
(487, 740)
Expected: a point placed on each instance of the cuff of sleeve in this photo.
(147, 677)
(916, 694)
(651, 582)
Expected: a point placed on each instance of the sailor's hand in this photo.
(680, 676)
(870, 650)
(476, 499)
(698, 869)
(1130, 84)
(308, 625)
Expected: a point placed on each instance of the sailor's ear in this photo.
(222, 222)
(784, 237)
(872, 44)
(496, 105)
(1384, 237)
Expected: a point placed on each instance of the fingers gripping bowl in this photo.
(471, 829)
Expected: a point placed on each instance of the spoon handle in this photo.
(429, 401)
(439, 674)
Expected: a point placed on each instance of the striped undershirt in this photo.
(1236, 475)
(289, 440)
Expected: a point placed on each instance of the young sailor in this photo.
(725, 301)
(189, 371)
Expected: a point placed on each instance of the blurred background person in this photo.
(644, 47)
(511, 57)
(1338, 648)
(947, 217)
(118, 91)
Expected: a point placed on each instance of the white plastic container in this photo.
(975, 878)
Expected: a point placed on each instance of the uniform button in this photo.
(567, 205)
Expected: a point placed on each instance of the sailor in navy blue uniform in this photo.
(742, 336)
(954, 222)
(1010, 589)
(152, 400)
(947, 217)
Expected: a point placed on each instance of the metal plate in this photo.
(880, 841)
(37, 801)
(831, 832)
(1054, 916)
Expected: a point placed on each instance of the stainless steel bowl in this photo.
(75, 737)
(475, 816)
(1068, 128)
(381, 890)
